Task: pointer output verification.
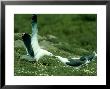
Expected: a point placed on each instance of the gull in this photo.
(35, 52)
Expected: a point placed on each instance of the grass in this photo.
(64, 35)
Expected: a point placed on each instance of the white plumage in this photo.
(63, 60)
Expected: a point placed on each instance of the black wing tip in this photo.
(34, 18)
(27, 42)
(24, 35)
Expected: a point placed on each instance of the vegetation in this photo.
(66, 35)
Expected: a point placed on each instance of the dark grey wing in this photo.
(82, 60)
(89, 57)
(75, 62)
(27, 41)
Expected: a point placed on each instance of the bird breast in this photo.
(41, 53)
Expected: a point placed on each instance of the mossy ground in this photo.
(63, 35)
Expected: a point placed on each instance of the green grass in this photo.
(63, 35)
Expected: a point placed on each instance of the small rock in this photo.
(51, 37)
(18, 43)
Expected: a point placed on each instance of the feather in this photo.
(27, 42)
